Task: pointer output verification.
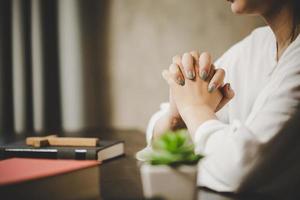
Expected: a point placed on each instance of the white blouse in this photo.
(267, 95)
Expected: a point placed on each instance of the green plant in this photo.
(173, 148)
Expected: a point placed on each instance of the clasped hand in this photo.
(197, 90)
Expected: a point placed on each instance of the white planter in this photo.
(171, 183)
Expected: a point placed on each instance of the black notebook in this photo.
(105, 150)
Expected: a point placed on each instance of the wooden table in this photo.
(120, 178)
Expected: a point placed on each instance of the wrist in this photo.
(195, 115)
(194, 107)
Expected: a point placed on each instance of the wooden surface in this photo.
(120, 178)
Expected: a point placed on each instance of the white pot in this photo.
(162, 181)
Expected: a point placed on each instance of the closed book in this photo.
(27, 178)
(105, 150)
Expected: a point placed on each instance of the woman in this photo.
(263, 69)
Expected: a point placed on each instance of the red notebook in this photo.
(16, 170)
(47, 179)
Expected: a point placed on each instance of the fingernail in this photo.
(211, 87)
(230, 90)
(190, 75)
(180, 81)
(173, 68)
(203, 75)
(229, 87)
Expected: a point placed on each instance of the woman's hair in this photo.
(296, 5)
(296, 20)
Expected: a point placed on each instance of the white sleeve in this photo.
(155, 117)
(232, 149)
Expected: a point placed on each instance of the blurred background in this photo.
(76, 65)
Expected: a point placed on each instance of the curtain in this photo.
(53, 70)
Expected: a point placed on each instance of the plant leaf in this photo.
(173, 148)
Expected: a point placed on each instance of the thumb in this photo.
(228, 94)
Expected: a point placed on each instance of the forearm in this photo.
(194, 116)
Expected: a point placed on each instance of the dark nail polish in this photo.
(190, 75)
(211, 88)
(229, 87)
(180, 81)
(203, 75)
